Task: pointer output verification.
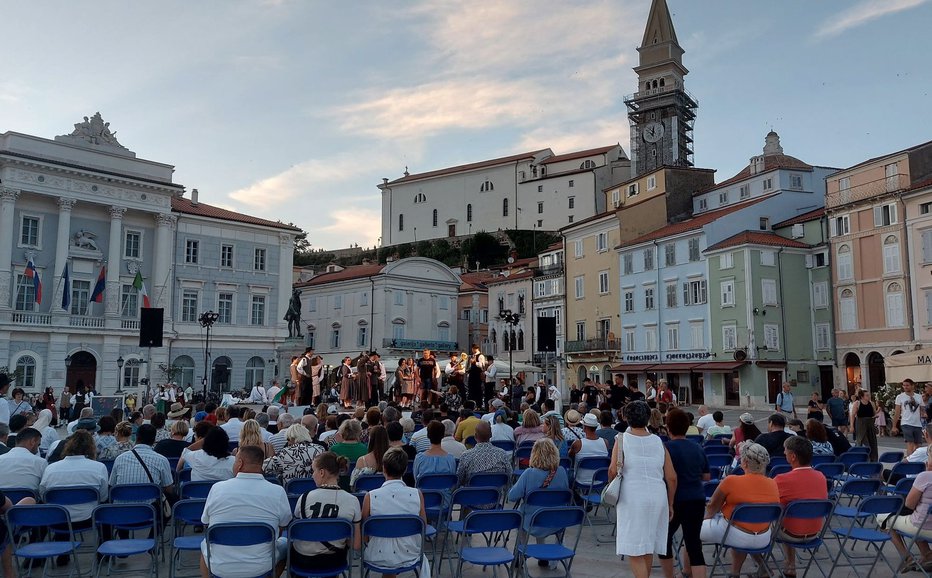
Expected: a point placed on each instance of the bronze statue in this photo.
(293, 316)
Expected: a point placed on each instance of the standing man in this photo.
(491, 372)
(837, 409)
(304, 386)
(64, 405)
(293, 368)
(426, 367)
(618, 391)
(377, 377)
(475, 369)
(590, 393)
(785, 401)
(908, 416)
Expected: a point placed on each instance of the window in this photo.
(486, 186)
(604, 328)
(696, 336)
(671, 294)
(312, 303)
(796, 181)
(26, 293)
(928, 296)
(255, 371)
(768, 289)
(820, 295)
(630, 343)
(744, 191)
(891, 255)
(466, 314)
(895, 306)
(398, 330)
(132, 244)
(669, 251)
(580, 288)
(628, 260)
(572, 202)
(649, 298)
(891, 172)
(632, 189)
(504, 207)
(601, 242)
(401, 222)
(848, 307)
(588, 164)
(191, 247)
(603, 282)
(728, 293)
(648, 259)
(768, 184)
(845, 263)
(580, 331)
(695, 292)
(189, 306)
(80, 297)
(726, 260)
(885, 215)
(335, 338)
(703, 204)
(225, 308)
(258, 310)
(571, 184)
(650, 338)
(629, 301)
(469, 213)
(578, 248)
(651, 183)
(338, 302)
(420, 198)
(729, 337)
(540, 188)
(764, 224)
(362, 336)
(434, 218)
(364, 299)
(823, 332)
(820, 259)
(443, 334)
(771, 337)
(693, 250)
(723, 198)
(569, 219)
(443, 302)
(767, 258)
(29, 231)
(26, 367)
(131, 374)
(616, 198)
(839, 226)
(259, 260)
(129, 301)
(844, 183)
(925, 208)
(399, 297)
(226, 256)
(673, 337)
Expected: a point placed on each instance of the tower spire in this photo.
(659, 24)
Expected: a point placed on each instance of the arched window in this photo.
(398, 328)
(435, 217)
(848, 309)
(504, 207)
(895, 305)
(486, 186)
(891, 255)
(493, 336)
(506, 344)
(469, 213)
(401, 222)
(661, 83)
(255, 371)
(131, 374)
(186, 365)
(845, 263)
(26, 367)
(520, 339)
(587, 165)
(420, 198)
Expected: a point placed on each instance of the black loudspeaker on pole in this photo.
(547, 334)
(150, 326)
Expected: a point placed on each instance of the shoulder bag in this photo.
(166, 507)
(612, 492)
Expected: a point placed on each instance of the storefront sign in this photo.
(644, 357)
(689, 356)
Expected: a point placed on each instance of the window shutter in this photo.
(686, 300)
(929, 307)
(833, 227)
(926, 246)
(878, 216)
(892, 213)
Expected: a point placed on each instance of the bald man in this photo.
(484, 458)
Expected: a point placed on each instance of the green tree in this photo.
(484, 248)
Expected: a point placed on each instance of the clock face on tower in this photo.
(653, 131)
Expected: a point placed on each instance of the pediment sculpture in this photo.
(84, 239)
(95, 131)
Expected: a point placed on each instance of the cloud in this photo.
(862, 14)
(564, 139)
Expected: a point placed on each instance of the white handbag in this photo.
(612, 492)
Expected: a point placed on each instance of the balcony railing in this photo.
(129, 324)
(598, 344)
(866, 190)
(30, 318)
(419, 344)
(82, 321)
(555, 269)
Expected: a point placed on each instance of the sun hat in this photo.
(177, 410)
(746, 418)
(572, 417)
(590, 420)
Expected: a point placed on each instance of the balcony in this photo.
(866, 191)
(598, 344)
(129, 324)
(83, 321)
(555, 269)
(30, 318)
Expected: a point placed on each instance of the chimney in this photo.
(384, 182)
(194, 197)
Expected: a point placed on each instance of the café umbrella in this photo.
(915, 365)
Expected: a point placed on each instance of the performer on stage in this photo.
(427, 369)
(344, 377)
(475, 369)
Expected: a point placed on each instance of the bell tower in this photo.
(661, 112)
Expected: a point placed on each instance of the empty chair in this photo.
(853, 492)
(489, 524)
(873, 538)
(185, 513)
(24, 518)
(822, 459)
(890, 457)
(717, 463)
(546, 521)
(197, 489)
(132, 518)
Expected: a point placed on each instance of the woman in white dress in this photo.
(643, 509)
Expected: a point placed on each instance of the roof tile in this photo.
(692, 224)
(352, 272)
(803, 218)
(758, 238)
(771, 163)
(183, 205)
(467, 167)
(578, 154)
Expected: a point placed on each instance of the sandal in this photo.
(908, 565)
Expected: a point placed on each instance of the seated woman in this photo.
(251, 435)
(530, 429)
(816, 433)
(394, 498)
(297, 457)
(754, 487)
(435, 460)
(122, 435)
(326, 501)
(209, 459)
(371, 463)
(349, 445)
(49, 435)
(554, 433)
(919, 499)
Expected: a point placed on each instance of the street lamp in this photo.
(512, 320)
(68, 361)
(207, 321)
(120, 362)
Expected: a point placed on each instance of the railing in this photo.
(598, 344)
(29, 318)
(419, 344)
(129, 324)
(658, 91)
(866, 190)
(551, 269)
(82, 321)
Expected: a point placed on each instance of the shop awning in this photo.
(915, 365)
(719, 366)
(632, 367)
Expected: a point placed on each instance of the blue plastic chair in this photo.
(129, 517)
(779, 469)
(469, 441)
(239, 534)
(232, 445)
(717, 462)
(808, 510)
(70, 496)
(184, 476)
(493, 524)
(437, 482)
(818, 460)
(369, 482)
(392, 527)
(522, 453)
(854, 533)
(850, 458)
(185, 513)
(544, 520)
(903, 487)
(320, 530)
(748, 514)
(697, 438)
(890, 457)
(135, 493)
(903, 470)
(498, 480)
(911, 539)
(590, 464)
(708, 488)
(592, 496)
(865, 470)
(23, 518)
(300, 486)
(716, 449)
(467, 498)
(549, 498)
(109, 464)
(17, 494)
(855, 491)
(776, 461)
(198, 490)
(832, 472)
(436, 508)
(507, 445)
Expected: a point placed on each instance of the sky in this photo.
(295, 110)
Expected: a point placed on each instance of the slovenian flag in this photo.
(140, 286)
(98, 295)
(66, 294)
(31, 273)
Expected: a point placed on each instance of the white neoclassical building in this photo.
(85, 202)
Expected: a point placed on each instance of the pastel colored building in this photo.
(918, 202)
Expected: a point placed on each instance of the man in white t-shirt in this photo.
(908, 416)
(705, 419)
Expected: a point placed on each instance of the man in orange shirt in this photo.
(801, 483)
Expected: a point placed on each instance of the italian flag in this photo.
(140, 286)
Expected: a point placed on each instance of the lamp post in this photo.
(120, 362)
(207, 321)
(510, 319)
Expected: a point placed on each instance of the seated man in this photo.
(484, 457)
(142, 465)
(775, 436)
(247, 497)
(21, 467)
(800, 483)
